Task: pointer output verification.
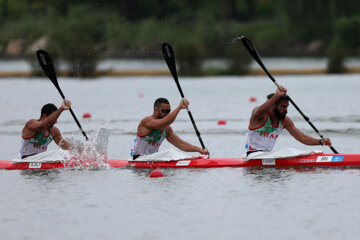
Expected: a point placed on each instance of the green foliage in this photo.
(308, 19)
(77, 38)
(189, 58)
(336, 60)
(80, 32)
(345, 41)
(28, 29)
(10, 9)
(347, 32)
(239, 59)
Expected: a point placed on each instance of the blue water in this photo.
(225, 203)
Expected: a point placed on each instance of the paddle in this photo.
(48, 67)
(253, 52)
(170, 61)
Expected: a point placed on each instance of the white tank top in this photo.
(264, 137)
(150, 143)
(36, 144)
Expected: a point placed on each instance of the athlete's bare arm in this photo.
(175, 140)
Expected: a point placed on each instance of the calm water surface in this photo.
(226, 203)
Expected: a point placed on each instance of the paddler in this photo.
(269, 120)
(152, 130)
(38, 133)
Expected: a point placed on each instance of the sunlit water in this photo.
(226, 203)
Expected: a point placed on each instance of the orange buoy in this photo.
(156, 173)
(86, 115)
(253, 99)
(221, 122)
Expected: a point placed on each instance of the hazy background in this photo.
(81, 33)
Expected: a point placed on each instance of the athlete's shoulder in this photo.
(146, 119)
(287, 118)
(287, 122)
(30, 128)
(31, 121)
(32, 125)
(54, 130)
(168, 128)
(258, 113)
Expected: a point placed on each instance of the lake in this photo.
(224, 203)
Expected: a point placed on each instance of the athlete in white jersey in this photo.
(152, 130)
(267, 122)
(38, 133)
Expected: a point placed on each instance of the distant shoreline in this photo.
(120, 73)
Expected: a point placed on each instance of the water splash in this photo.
(90, 154)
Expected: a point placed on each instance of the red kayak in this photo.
(324, 160)
(10, 165)
(318, 160)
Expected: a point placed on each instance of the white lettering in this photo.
(270, 161)
(34, 165)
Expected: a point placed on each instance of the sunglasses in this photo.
(166, 111)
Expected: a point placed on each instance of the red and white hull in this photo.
(325, 160)
(318, 160)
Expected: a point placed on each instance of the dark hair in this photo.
(285, 97)
(47, 109)
(160, 101)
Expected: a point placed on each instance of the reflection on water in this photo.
(141, 172)
(283, 174)
(269, 174)
(51, 175)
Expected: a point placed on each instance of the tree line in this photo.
(82, 32)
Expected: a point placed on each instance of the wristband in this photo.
(320, 143)
(60, 142)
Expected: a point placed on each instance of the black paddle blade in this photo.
(47, 65)
(169, 58)
(252, 50)
(249, 46)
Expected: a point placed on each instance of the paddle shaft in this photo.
(170, 61)
(48, 67)
(253, 52)
(190, 115)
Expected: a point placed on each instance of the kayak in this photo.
(314, 160)
(10, 165)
